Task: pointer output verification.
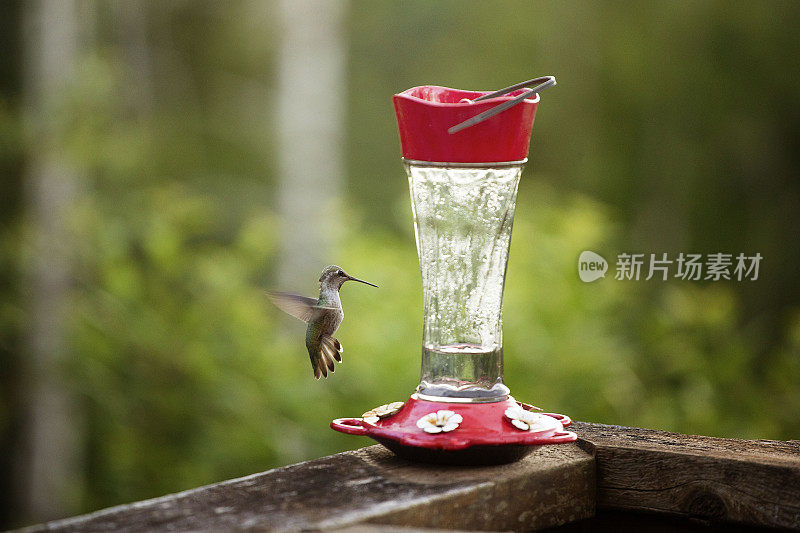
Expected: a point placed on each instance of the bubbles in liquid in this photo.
(463, 219)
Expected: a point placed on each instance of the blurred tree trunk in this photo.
(311, 85)
(132, 27)
(48, 469)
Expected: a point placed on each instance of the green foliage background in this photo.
(674, 128)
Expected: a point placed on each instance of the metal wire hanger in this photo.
(544, 82)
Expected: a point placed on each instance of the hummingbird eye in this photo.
(340, 273)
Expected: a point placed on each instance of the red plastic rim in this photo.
(483, 424)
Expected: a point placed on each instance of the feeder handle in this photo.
(544, 82)
(351, 426)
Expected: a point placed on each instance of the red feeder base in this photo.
(485, 435)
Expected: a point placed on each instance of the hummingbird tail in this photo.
(329, 349)
(333, 347)
(323, 365)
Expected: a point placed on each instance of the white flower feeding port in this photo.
(384, 411)
(526, 420)
(439, 422)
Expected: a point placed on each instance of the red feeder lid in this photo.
(425, 113)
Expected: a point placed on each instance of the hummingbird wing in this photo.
(301, 307)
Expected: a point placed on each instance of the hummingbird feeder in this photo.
(463, 152)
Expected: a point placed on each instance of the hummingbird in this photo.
(323, 315)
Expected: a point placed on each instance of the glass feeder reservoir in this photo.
(463, 189)
(462, 218)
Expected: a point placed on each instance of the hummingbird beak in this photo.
(351, 278)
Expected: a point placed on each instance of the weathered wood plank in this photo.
(713, 479)
(554, 485)
(637, 470)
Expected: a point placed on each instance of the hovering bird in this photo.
(323, 315)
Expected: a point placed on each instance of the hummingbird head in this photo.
(334, 276)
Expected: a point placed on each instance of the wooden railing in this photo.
(613, 475)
